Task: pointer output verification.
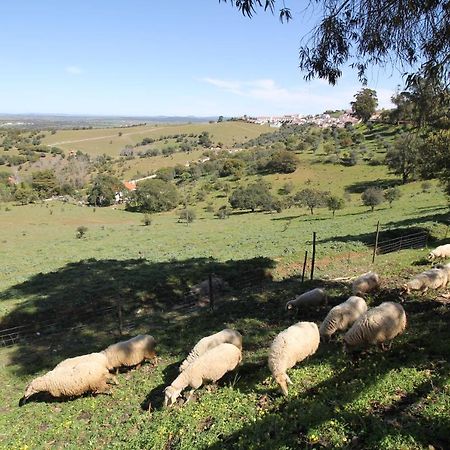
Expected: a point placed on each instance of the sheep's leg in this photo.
(288, 379)
(189, 396)
(113, 379)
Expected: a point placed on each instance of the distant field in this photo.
(108, 141)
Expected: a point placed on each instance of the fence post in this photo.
(376, 242)
(313, 255)
(304, 265)
(119, 316)
(211, 292)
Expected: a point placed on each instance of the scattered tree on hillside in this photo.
(434, 157)
(204, 139)
(374, 32)
(311, 198)
(403, 157)
(103, 190)
(81, 231)
(253, 196)
(392, 194)
(365, 104)
(335, 203)
(372, 197)
(232, 167)
(153, 196)
(282, 162)
(44, 182)
(24, 194)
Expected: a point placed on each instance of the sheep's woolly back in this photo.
(315, 297)
(211, 366)
(292, 346)
(202, 289)
(100, 358)
(430, 279)
(365, 283)
(343, 316)
(443, 251)
(69, 381)
(207, 343)
(131, 352)
(377, 325)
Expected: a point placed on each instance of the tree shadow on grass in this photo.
(360, 186)
(75, 310)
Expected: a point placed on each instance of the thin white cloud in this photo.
(74, 70)
(314, 96)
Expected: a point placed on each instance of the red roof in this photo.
(130, 185)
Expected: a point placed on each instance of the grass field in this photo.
(108, 141)
(67, 290)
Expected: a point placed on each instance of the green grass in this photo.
(108, 141)
(398, 399)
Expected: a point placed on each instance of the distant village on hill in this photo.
(326, 119)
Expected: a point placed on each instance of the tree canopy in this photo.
(412, 35)
(365, 104)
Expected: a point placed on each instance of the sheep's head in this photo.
(431, 256)
(30, 390)
(406, 290)
(289, 305)
(170, 395)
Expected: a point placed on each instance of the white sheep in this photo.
(131, 352)
(365, 283)
(441, 252)
(209, 342)
(446, 269)
(436, 278)
(71, 381)
(290, 347)
(202, 289)
(377, 326)
(211, 366)
(342, 316)
(100, 358)
(315, 297)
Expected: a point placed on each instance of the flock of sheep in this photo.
(215, 355)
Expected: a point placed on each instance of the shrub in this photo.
(188, 215)
(372, 197)
(147, 220)
(81, 231)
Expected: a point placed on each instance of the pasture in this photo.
(107, 140)
(67, 291)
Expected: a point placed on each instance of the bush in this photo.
(147, 220)
(81, 231)
(372, 197)
(188, 215)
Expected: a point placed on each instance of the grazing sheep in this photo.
(209, 342)
(430, 279)
(377, 326)
(132, 352)
(315, 297)
(202, 289)
(365, 283)
(343, 316)
(100, 358)
(211, 366)
(290, 347)
(71, 381)
(446, 269)
(441, 252)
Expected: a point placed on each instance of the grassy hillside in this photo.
(108, 141)
(65, 292)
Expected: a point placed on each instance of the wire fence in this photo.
(121, 317)
(414, 240)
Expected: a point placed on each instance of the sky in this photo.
(171, 57)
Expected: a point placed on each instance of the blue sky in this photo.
(171, 57)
